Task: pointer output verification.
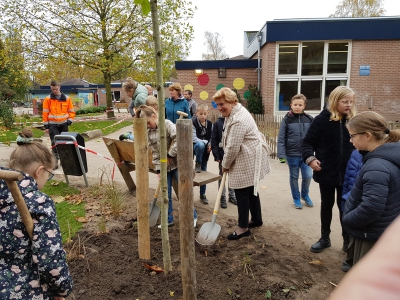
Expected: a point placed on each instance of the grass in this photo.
(106, 126)
(66, 212)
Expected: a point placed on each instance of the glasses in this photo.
(346, 102)
(51, 175)
(353, 135)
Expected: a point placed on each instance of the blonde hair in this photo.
(130, 84)
(298, 97)
(226, 94)
(151, 101)
(374, 123)
(176, 86)
(337, 94)
(202, 106)
(145, 111)
(29, 152)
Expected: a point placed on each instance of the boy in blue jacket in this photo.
(293, 128)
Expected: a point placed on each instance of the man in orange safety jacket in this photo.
(58, 114)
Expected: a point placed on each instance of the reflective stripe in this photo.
(58, 123)
(64, 116)
(46, 110)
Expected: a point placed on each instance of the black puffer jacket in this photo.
(291, 133)
(329, 142)
(374, 201)
(216, 138)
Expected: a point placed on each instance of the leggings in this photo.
(327, 203)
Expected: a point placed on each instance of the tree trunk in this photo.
(107, 85)
(163, 141)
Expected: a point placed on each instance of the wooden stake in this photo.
(142, 186)
(186, 206)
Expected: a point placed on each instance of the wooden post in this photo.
(186, 206)
(142, 186)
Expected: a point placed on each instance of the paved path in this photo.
(274, 192)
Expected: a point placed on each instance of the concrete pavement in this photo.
(276, 201)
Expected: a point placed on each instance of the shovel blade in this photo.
(154, 210)
(208, 233)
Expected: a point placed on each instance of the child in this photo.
(291, 133)
(34, 269)
(218, 153)
(326, 148)
(374, 200)
(150, 101)
(154, 143)
(353, 167)
(202, 130)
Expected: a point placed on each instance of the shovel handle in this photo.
(10, 178)
(221, 188)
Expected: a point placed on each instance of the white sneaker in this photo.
(169, 224)
(195, 222)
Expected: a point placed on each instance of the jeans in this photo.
(230, 191)
(246, 201)
(170, 175)
(295, 163)
(54, 130)
(199, 151)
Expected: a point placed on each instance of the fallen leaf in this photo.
(285, 290)
(154, 268)
(263, 187)
(171, 294)
(229, 292)
(58, 199)
(81, 219)
(55, 183)
(316, 262)
(205, 253)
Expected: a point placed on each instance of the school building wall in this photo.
(204, 89)
(380, 91)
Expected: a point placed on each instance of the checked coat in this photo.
(240, 141)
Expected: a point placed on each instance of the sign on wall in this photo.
(365, 70)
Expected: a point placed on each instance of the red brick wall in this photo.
(186, 77)
(383, 83)
(268, 77)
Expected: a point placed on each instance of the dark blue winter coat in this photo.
(329, 142)
(374, 201)
(216, 138)
(353, 167)
(291, 133)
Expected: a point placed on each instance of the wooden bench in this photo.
(119, 105)
(123, 153)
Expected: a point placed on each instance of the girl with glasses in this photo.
(34, 269)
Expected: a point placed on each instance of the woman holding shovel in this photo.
(245, 158)
(32, 259)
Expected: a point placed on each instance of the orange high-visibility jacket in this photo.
(57, 111)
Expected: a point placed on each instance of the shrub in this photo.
(254, 102)
(6, 113)
(91, 110)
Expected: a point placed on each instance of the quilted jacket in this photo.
(374, 201)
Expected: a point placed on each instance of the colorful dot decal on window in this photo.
(203, 79)
(214, 104)
(219, 86)
(188, 87)
(246, 95)
(238, 83)
(203, 95)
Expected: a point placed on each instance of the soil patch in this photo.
(271, 262)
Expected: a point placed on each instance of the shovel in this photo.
(10, 177)
(209, 231)
(154, 208)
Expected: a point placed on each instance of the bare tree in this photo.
(359, 9)
(214, 45)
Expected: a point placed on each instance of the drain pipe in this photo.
(259, 37)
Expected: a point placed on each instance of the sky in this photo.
(231, 18)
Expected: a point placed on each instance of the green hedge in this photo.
(90, 110)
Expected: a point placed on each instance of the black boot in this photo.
(323, 242)
(346, 240)
(223, 203)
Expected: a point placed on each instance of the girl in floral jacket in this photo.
(34, 269)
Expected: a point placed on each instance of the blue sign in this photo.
(365, 70)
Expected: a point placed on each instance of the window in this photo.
(311, 68)
(288, 54)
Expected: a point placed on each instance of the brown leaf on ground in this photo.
(81, 219)
(154, 268)
(316, 262)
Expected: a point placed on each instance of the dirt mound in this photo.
(272, 263)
